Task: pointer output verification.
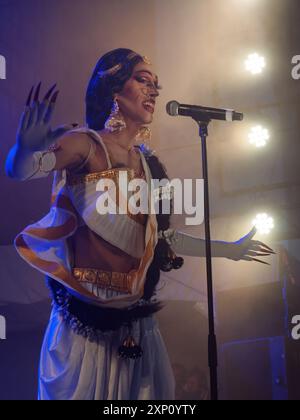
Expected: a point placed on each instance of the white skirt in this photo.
(74, 368)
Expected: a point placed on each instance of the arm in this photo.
(243, 249)
(192, 246)
(70, 151)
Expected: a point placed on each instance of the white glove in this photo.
(29, 157)
(243, 249)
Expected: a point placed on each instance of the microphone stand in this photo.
(212, 341)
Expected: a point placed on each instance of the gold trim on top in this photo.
(73, 179)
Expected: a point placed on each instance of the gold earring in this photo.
(115, 122)
(144, 136)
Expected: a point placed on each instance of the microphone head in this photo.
(239, 116)
(172, 108)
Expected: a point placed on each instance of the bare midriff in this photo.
(92, 251)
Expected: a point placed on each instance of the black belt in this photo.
(90, 320)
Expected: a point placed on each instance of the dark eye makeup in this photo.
(142, 79)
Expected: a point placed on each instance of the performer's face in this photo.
(137, 98)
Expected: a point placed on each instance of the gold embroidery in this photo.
(113, 174)
(120, 282)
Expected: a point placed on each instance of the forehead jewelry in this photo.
(113, 70)
(144, 57)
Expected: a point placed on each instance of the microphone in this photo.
(202, 113)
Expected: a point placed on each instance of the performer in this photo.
(103, 341)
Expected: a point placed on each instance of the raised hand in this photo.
(34, 132)
(247, 249)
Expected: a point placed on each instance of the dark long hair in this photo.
(99, 100)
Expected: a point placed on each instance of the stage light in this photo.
(264, 223)
(258, 136)
(255, 63)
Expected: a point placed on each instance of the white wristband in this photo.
(43, 163)
(170, 236)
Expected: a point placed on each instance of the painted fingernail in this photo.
(269, 250)
(257, 260)
(264, 247)
(54, 97)
(37, 91)
(29, 97)
(48, 94)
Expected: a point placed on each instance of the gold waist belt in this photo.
(120, 282)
